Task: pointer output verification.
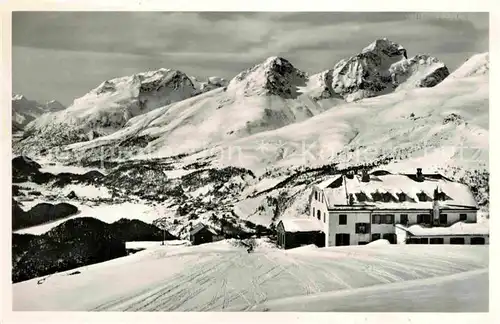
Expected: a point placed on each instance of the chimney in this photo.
(420, 176)
(365, 177)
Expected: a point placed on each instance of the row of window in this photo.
(440, 240)
(342, 239)
(389, 219)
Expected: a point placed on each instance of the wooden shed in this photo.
(296, 232)
(201, 233)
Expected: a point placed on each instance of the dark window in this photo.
(342, 239)
(391, 237)
(375, 237)
(437, 240)
(404, 219)
(424, 240)
(316, 195)
(342, 219)
(362, 243)
(477, 241)
(463, 217)
(443, 218)
(376, 196)
(324, 218)
(314, 211)
(319, 215)
(383, 219)
(388, 219)
(361, 196)
(457, 240)
(422, 196)
(362, 228)
(412, 240)
(423, 219)
(401, 196)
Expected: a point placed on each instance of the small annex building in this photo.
(458, 233)
(296, 232)
(202, 233)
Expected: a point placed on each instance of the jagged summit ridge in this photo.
(274, 76)
(383, 46)
(381, 68)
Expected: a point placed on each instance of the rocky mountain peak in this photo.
(383, 46)
(381, 68)
(274, 76)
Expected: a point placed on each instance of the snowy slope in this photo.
(24, 110)
(222, 277)
(108, 107)
(476, 65)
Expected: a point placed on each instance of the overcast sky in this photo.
(63, 55)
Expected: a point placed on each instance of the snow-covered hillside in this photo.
(24, 110)
(222, 277)
(476, 65)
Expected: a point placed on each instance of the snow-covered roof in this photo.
(198, 227)
(322, 185)
(302, 224)
(459, 228)
(396, 191)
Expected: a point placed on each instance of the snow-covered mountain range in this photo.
(152, 106)
(251, 147)
(24, 110)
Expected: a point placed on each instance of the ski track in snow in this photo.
(207, 278)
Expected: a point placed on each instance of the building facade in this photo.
(356, 209)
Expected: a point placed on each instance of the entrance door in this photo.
(342, 239)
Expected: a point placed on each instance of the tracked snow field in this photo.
(221, 277)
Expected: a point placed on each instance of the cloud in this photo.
(99, 45)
